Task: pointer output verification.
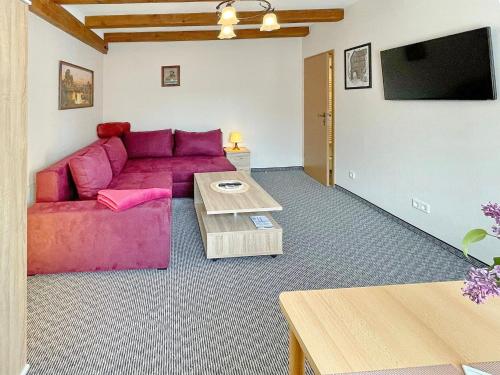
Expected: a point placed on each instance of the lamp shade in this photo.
(228, 16)
(235, 137)
(270, 23)
(227, 32)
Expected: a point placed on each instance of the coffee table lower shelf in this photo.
(229, 236)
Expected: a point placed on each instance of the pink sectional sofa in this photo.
(71, 232)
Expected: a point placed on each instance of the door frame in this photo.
(332, 118)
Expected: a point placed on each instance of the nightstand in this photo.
(239, 158)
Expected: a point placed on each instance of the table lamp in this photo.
(235, 138)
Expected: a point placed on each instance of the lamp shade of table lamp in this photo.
(235, 138)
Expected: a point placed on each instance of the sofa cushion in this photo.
(148, 165)
(117, 154)
(130, 181)
(112, 129)
(182, 168)
(91, 172)
(153, 144)
(198, 144)
(55, 183)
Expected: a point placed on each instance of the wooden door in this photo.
(13, 186)
(317, 117)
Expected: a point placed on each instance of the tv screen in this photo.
(456, 67)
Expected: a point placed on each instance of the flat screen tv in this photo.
(456, 67)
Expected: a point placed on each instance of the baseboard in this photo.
(277, 169)
(25, 370)
(450, 248)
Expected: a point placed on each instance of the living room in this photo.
(160, 288)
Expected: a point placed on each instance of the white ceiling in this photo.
(80, 11)
(195, 7)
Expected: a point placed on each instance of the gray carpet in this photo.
(204, 317)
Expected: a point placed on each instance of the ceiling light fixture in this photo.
(270, 23)
(228, 17)
(227, 32)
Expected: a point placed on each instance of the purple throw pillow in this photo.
(117, 154)
(91, 172)
(153, 144)
(198, 144)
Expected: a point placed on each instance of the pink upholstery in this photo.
(182, 168)
(148, 165)
(183, 189)
(117, 154)
(86, 236)
(112, 129)
(67, 235)
(54, 183)
(198, 144)
(121, 200)
(128, 181)
(153, 144)
(91, 172)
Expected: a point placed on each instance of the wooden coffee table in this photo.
(224, 217)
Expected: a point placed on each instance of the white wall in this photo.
(253, 86)
(444, 153)
(53, 134)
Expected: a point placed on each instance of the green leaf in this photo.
(474, 235)
(496, 261)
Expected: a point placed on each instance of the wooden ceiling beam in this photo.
(178, 36)
(208, 19)
(80, 2)
(64, 20)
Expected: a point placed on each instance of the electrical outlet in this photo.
(352, 175)
(421, 205)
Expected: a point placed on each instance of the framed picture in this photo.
(76, 86)
(170, 76)
(358, 67)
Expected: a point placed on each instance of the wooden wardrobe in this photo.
(13, 186)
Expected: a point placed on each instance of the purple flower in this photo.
(493, 210)
(481, 283)
(496, 271)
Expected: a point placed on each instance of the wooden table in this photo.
(389, 327)
(224, 218)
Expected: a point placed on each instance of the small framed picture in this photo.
(171, 76)
(76, 86)
(358, 67)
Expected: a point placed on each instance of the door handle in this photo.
(324, 116)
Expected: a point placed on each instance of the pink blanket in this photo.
(120, 200)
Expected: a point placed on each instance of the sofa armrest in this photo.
(87, 236)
